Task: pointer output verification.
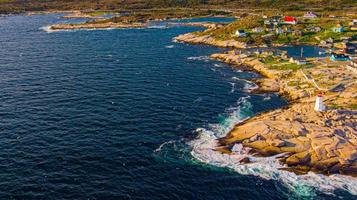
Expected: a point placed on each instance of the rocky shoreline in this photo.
(323, 142)
(206, 39)
(108, 25)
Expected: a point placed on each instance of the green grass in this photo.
(288, 66)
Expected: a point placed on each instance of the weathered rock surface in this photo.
(324, 142)
(300, 131)
(95, 26)
(206, 39)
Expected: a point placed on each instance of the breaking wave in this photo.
(203, 149)
(157, 27)
(169, 46)
(200, 58)
(248, 85)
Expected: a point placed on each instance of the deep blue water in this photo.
(83, 114)
(307, 51)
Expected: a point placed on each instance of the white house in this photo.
(310, 15)
(298, 61)
(241, 33)
(257, 29)
(279, 31)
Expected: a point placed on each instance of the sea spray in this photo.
(200, 58)
(203, 149)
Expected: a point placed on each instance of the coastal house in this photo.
(298, 33)
(339, 57)
(353, 25)
(328, 43)
(354, 22)
(240, 33)
(287, 29)
(314, 29)
(275, 20)
(290, 20)
(267, 22)
(257, 30)
(310, 15)
(279, 30)
(298, 60)
(338, 28)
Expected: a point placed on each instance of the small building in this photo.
(279, 30)
(319, 105)
(310, 15)
(298, 60)
(353, 23)
(339, 57)
(314, 29)
(290, 20)
(267, 22)
(298, 33)
(241, 33)
(287, 29)
(338, 29)
(257, 29)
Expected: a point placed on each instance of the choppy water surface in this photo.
(111, 114)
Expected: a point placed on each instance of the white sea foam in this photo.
(157, 27)
(164, 144)
(218, 65)
(201, 58)
(268, 167)
(47, 29)
(250, 86)
(169, 46)
(267, 97)
(233, 87)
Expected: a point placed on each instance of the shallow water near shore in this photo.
(112, 114)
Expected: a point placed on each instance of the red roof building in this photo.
(290, 20)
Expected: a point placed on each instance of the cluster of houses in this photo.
(272, 24)
(275, 24)
(280, 25)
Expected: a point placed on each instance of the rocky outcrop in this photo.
(106, 25)
(323, 142)
(206, 39)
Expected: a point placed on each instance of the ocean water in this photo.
(112, 114)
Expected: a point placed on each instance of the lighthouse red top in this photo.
(320, 95)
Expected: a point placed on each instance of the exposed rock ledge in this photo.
(96, 26)
(324, 142)
(206, 39)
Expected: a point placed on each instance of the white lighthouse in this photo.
(319, 105)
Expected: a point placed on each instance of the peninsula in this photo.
(137, 19)
(323, 141)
